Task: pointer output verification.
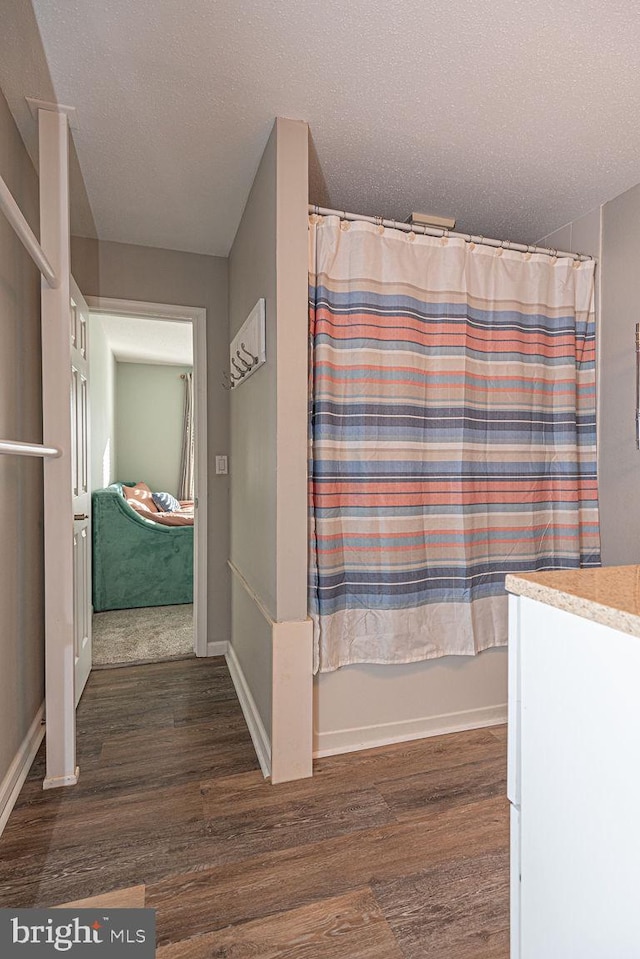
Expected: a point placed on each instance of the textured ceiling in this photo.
(135, 340)
(515, 117)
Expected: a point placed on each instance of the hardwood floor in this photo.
(394, 853)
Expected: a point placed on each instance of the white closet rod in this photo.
(435, 231)
(28, 449)
(25, 234)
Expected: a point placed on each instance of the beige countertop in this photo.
(609, 595)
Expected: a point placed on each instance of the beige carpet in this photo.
(145, 635)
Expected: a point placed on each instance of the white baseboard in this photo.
(17, 773)
(257, 731)
(366, 737)
(217, 649)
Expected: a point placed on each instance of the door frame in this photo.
(81, 496)
(197, 316)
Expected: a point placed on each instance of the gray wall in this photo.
(580, 236)
(149, 419)
(21, 502)
(268, 444)
(124, 271)
(615, 373)
(102, 406)
(252, 274)
(619, 460)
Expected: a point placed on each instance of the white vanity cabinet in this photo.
(574, 773)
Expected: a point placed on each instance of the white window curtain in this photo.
(187, 460)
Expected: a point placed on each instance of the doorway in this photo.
(147, 359)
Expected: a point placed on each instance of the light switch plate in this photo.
(222, 467)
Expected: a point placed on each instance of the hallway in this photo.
(390, 853)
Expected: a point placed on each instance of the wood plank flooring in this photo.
(133, 898)
(393, 853)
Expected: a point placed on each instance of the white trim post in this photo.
(201, 532)
(56, 427)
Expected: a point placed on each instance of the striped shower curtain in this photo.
(452, 437)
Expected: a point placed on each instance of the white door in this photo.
(81, 489)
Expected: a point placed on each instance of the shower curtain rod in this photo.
(434, 231)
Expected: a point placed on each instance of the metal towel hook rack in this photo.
(245, 359)
(254, 359)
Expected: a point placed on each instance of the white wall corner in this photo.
(18, 770)
(292, 710)
(292, 345)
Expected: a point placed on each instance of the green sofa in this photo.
(137, 562)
